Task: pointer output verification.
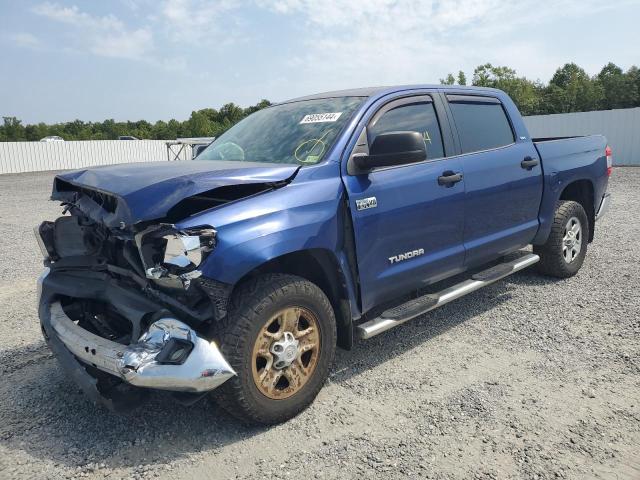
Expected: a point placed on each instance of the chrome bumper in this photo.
(169, 356)
(604, 206)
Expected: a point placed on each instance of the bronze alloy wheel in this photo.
(285, 353)
(280, 338)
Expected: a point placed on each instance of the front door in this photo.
(408, 219)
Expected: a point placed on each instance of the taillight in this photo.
(608, 154)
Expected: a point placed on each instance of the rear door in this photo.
(408, 227)
(503, 178)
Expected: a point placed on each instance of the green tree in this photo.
(619, 89)
(449, 80)
(199, 125)
(258, 106)
(12, 130)
(524, 92)
(572, 90)
(634, 75)
(34, 133)
(461, 79)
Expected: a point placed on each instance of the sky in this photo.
(162, 59)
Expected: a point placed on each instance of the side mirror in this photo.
(392, 148)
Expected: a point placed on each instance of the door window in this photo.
(481, 126)
(414, 117)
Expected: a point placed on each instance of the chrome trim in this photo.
(204, 369)
(604, 206)
(378, 325)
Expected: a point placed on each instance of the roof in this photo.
(352, 92)
(371, 91)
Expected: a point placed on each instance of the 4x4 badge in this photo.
(364, 203)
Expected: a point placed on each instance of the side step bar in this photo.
(416, 307)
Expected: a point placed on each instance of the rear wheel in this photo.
(280, 338)
(564, 252)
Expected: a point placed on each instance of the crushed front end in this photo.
(125, 308)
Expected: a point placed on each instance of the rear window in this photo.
(481, 126)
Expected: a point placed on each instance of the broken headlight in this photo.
(171, 256)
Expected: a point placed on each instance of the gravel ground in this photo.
(528, 378)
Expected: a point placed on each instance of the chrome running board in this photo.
(416, 307)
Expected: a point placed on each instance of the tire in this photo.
(250, 327)
(557, 259)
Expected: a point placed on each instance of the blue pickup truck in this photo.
(306, 225)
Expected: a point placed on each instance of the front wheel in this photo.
(564, 252)
(280, 338)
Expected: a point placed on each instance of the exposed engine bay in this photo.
(159, 261)
(102, 232)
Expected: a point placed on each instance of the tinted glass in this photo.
(300, 132)
(416, 117)
(481, 126)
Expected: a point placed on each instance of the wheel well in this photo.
(581, 191)
(321, 268)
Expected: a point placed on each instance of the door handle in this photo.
(528, 163)
(449, 178)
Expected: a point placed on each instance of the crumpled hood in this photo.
(147, 191)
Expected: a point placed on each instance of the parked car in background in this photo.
(127, 137)
(52, 138)
(307, 224)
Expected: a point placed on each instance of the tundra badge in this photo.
(364, 203)
(406, 256)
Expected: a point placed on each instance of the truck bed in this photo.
(565, 160)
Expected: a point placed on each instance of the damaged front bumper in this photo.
(169, 355)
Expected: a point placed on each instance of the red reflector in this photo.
(609, 154)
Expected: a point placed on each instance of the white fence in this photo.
(17, 157)
(621, 127)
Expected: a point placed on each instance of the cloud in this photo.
(330, 43)
(407, 41)
(196, 21)
(104, 35)
(133, 44)
(24, 40)
(73, 16)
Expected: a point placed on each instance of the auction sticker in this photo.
(321, 117)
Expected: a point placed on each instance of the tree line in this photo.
(570, 89)
(207, 122)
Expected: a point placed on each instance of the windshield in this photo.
(299, 132)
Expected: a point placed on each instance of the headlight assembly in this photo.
(174, 255)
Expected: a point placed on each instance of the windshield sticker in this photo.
(321, 117)
(310, 151)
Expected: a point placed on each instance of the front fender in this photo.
(306, 214)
